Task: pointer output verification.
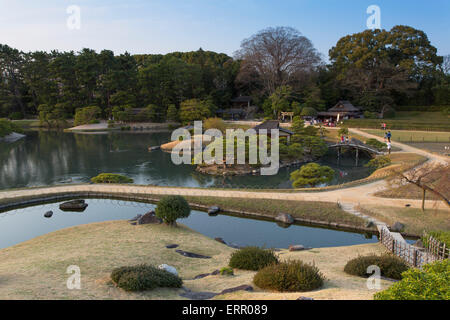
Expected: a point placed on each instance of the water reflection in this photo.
(48, 158)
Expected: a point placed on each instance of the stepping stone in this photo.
(172, 246)
(244, 287)
(48, 214)
(198, 295)
(192, 255)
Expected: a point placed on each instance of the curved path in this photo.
(362, 194)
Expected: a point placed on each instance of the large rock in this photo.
(296, 247)
(74, 205)
(192, 255)
(149, 218)
(168, 269)
(285, 218)
(48, 214)
(213, 210)
(398, 227)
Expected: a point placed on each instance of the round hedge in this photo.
(252, 258)
(144, 277)
(290, 276)
(390, 266)
(111, 178)
(171, 208)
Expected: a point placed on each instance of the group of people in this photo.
(344, 139)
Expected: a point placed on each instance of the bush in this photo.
(252, 258)
(7, 127)
(111, 178)
(376, 144)
(390, 266)
(226, 271)
(431, 283)
(144, 277)
(378, 163)
(87, 115)
(214, 123)
(16, 116)
(171, 208)
(290, 276)
(311, 174)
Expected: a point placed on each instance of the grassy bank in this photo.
(414, 136)
(36, 269)
(415, 220)
(416, 120)
(307, 210)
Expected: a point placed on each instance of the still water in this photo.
(50, 158)
(24, 224)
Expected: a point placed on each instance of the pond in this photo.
(49, 158)
(27, 223)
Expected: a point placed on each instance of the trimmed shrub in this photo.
(252, 258)
(214, 123)
(111, 178)
(376, 144)
(171, 208)
(431, 283)
(390, 266)
(290, 276)
(144, 277)
(227, 271)
(378, 163)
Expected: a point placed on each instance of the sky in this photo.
(162, 26)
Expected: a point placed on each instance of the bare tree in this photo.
(446, 64)
(431, 177)
(275, 57)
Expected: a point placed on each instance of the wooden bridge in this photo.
(357, 145)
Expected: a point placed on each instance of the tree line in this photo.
(278, 67)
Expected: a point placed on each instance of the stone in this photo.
(407, 205)
(213, 210)
(220, 240)
(369, 224)
(198, 295)
(398, 227)
(149, 218)
(192, 255)
(296, 247)
(74, 205)
(172, 246)
(304, 298)
(48, 214)
(285, 218)
(215, 272)
(244, 287)
(168, 269)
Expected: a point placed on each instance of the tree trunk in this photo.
(423, 199)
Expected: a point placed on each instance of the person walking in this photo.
(389, 147)
(389, 136)
(342, 139)
(346, 140)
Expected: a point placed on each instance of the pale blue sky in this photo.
(161, 26)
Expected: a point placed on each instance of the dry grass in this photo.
(414, 219)
(331, 262)
(311, 210)
(36, 269)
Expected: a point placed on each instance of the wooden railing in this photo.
(436, 247)
(413, 256)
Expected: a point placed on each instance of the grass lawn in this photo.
(321, 211)
(415, 220)
(411, 120)
(414, 136)
(36, 269)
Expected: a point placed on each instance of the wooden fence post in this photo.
(415, 258)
